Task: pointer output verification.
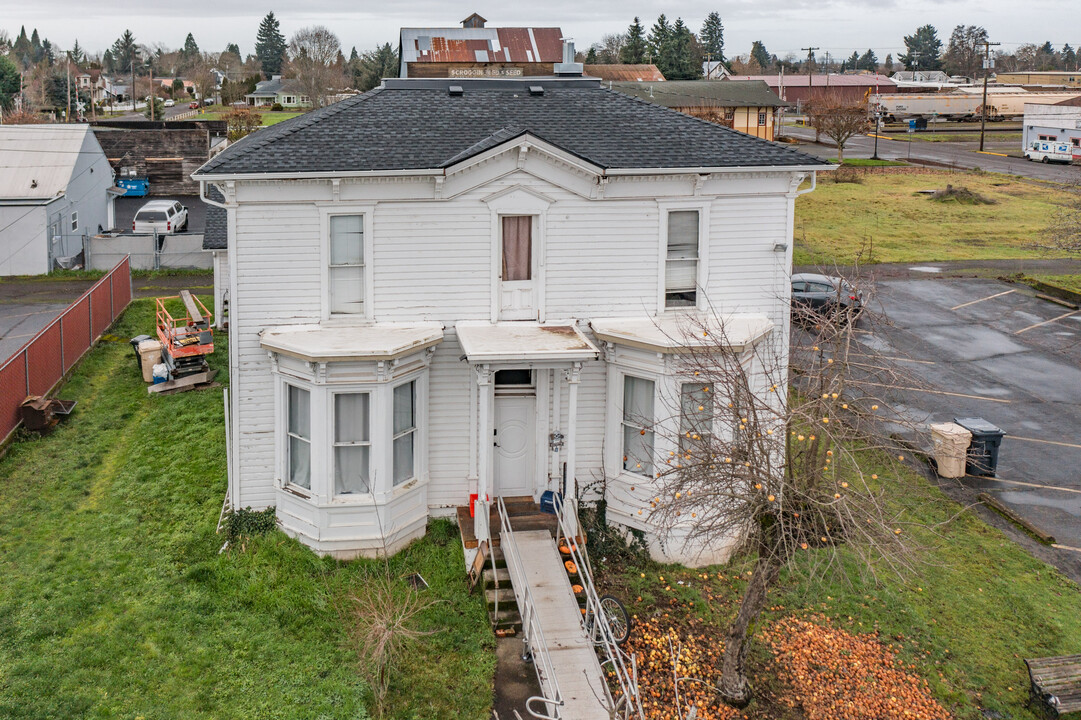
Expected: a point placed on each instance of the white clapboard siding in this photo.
(448, 425)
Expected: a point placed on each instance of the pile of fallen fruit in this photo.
(835, 674)
(827, 673)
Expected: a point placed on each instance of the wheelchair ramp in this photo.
(578, 678)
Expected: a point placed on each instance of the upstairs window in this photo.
(517, 248)
(681, 266)
(637, 425)
(347, 264)
(761, 118)
(299, 431)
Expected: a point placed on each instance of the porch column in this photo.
(484, 448)
(574, 375)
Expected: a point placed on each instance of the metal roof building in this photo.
(439, 52)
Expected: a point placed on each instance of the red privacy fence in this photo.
(41, 363)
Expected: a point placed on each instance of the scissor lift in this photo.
(187, 340)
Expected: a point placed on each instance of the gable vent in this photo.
(455, 90)
(536, 90)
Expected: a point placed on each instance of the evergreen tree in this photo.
(888, 63)
(591, 56)
(712, 37)
(659, 36)
(924, 49)
(867, 61)
(760, 55)
(125, 52)
(374, 66)
(270, 46)
(852, 62)
(190, 52)
(47, 54)
(234, 49)
(36, 50)
(353, 56)
(107, 62)
(9, 83)
(77, 55)
(21, 49)
(682, 55)
(633, 51)
(1069, 57)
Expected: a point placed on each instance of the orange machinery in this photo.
(185, 341)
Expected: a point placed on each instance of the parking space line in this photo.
(1046, 442)
(1028, 484)
(1047, 322)
(989, 297)
(1065, 547)
(932, 392)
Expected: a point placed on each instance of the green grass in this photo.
(115, 603)
(64, 274)
(838, 220)
(269, 117)
(868, 162)
(1069, 282)
(964, 137)
(975, 607)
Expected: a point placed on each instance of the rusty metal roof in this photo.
(519, 44)
(831, 80)
(628, 73)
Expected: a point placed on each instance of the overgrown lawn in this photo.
(115, 602)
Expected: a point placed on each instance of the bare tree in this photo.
(313, 53)
(241, 122)
(837, 119)
(204, 80)
(785, 474)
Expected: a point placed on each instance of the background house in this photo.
(284, 92)
(748, 106)
(474, 50)
(56, 186)
(1041, 80)
(167, 155)
(487, 305)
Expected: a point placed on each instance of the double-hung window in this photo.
(352, 443)
(405, 431)
(681, 264)
(74, 221)
(696, 416)
(299, 431)
(637, 425)
(346, 264)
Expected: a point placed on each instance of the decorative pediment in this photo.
(518, 197)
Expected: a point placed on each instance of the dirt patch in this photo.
(961, 196)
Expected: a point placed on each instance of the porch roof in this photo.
(673, 332)
(526, 341)
(337, 343)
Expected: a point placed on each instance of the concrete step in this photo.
(506, 618)
(502, 575)
(505, 595)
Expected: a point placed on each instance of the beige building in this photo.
(1049, 78)
(748, 106)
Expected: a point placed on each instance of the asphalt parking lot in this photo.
(985, 348)
(126, 207)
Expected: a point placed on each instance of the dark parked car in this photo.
(825, 296)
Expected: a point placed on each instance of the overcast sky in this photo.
(836, 26)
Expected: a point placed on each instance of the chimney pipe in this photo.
(568, 68)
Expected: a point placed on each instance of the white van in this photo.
(163, 217)
(1049, 151)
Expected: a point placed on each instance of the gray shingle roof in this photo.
(216, 233)
(413, 124)
(703, 93)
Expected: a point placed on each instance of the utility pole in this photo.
(151, 100)
(986, 71)
(810, 58)
(133, 108)
(67, 118)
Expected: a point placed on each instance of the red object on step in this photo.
(473, 504)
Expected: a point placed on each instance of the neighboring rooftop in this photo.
(625, 73)
(414, 124)
(703, 93)
(215, 231)
(38, 160)
(273, 86)
(824, 80)
(480, 45)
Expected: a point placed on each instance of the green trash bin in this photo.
(982, 458)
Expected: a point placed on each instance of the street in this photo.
(960, 155)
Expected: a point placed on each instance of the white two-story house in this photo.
(445, 288)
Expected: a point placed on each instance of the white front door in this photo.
(515, 444)
(517, 293)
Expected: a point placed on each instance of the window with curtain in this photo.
(352, 443)
(637, 425)
(681, 266)
(347, 264)
(517, 248)
(299, 433)
(405, 431)
(696, 415)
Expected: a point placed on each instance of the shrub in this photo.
(962, 196)
(239, 524)
(276, 107)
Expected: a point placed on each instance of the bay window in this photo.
(696, 415)
(352, 443)
(405, 429)
(299, 432)
(638, 398)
